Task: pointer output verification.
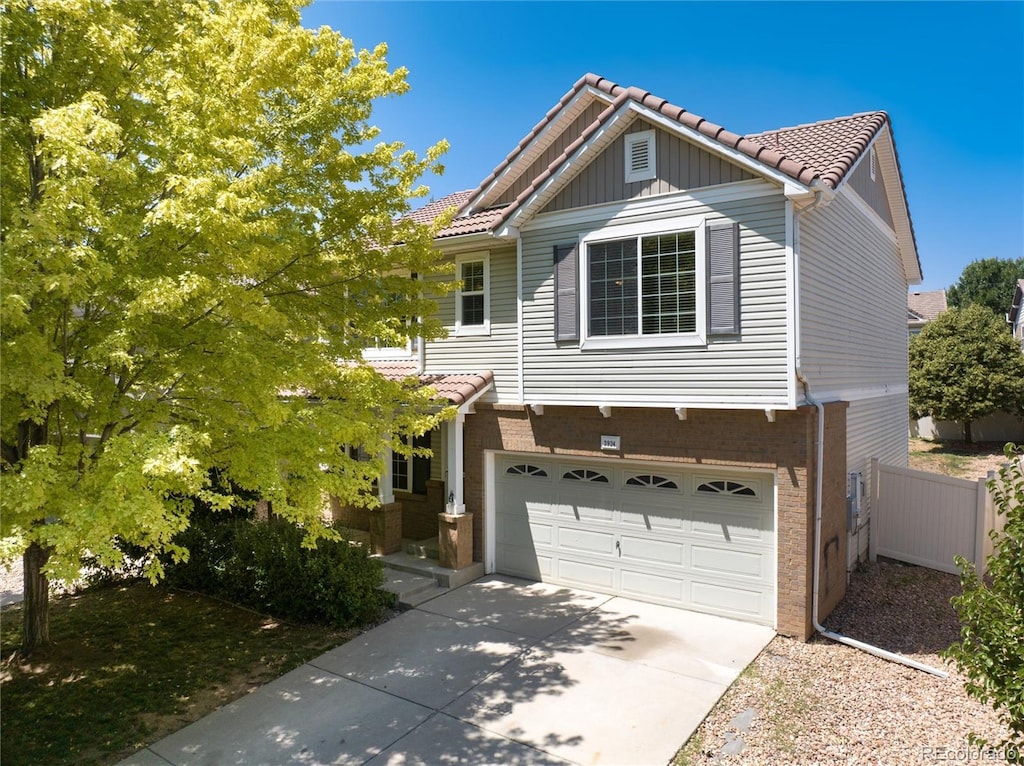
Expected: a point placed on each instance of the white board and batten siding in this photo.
(496, 351)
(750, 369)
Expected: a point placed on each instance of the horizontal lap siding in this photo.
(750, 370)
(854, 336)
(499, 350)
(871, 434)
(853, 302)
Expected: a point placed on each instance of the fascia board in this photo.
(617, 124)
(894, 189)
(541, 141)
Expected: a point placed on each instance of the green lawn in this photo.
(133, 663)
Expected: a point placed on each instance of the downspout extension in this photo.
(839, 637)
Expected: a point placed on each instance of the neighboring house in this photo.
(922, 308)
(650, 308)
(1016, 316)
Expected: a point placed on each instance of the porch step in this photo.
(410, 589)
(426, 567)
(424, 549)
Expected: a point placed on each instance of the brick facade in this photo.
(418, 512)
(739, 438)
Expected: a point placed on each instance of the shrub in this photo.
(991, 611)
(264, 565)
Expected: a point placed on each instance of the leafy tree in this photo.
(195, 243)
(991, 611)
(990, 282)
(964, 365)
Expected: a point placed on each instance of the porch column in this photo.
(455, 500)
(385, 484)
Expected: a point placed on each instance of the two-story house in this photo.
(671, 346)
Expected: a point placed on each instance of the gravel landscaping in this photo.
(821, 702)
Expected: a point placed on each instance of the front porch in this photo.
(415, 573)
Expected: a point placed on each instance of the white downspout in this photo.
(818, 480)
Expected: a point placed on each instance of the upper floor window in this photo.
(643, 285)
(643, 288)
(473, 302)
(403, 343)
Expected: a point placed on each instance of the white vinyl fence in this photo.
(927, 519)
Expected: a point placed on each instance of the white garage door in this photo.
(689, 537)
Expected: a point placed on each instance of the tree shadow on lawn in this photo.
(900, 607)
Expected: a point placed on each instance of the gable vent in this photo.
(640, 159)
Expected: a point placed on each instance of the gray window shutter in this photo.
(723, 242)
(567, 312)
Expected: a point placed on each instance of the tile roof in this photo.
(473, 223)
(830, 147)
(822, 152)
(927, 305)
(456, 387)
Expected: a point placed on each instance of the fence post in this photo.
(875, 526)
(981, 526)
(992, 520)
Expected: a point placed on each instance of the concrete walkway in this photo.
(500, 671)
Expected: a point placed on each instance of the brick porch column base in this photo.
(386, 529)
(455, 540)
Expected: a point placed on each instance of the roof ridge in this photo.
(821, 123)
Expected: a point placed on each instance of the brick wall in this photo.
(419, 512)
(723, 437)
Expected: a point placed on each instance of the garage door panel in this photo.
(654, 551)
(725, 599)
(645, 584)
(653, 517)
(586, 573)
(524, 562)
(727, 562)
(729, 527)
(587, 541)
(521, 530)
(592, 512)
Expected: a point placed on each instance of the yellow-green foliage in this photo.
(197, 243)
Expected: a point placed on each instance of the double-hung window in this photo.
(644, 288)
(675, 285)
(644, 285)
(409, 473)
(472, 303)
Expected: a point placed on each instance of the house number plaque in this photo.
(611, 442)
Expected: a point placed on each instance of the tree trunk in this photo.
(967, 432)
(37, 599)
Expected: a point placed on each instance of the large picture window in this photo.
(644, 285)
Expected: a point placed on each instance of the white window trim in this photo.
(673, 340)
(644, 136)
(408, 351)
(480, 329)
(407, 459)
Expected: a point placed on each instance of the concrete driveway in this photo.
(499, 671)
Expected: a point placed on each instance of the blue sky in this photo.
(950, 75)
